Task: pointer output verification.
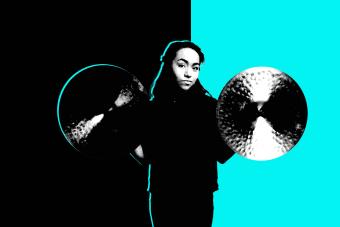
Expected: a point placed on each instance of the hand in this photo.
(139, 151)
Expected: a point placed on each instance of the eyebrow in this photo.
(182, 59)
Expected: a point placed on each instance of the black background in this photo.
(48, 181)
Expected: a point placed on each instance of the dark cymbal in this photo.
(100, 110)
(261, 113)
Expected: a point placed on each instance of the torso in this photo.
(179, 141)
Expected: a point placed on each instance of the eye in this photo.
(181, 65)
(196, 68)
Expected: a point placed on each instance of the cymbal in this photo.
(100, 109)
(261, 113)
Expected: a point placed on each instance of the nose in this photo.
(187, 74)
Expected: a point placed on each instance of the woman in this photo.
(183, 143)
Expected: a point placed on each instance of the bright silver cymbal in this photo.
(261, 113)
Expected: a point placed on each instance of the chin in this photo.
(185, 88)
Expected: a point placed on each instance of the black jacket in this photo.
(183, 143)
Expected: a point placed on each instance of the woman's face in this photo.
(186, 67)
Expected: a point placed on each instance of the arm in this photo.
(224, 155)
(222, 151)
(138, 155)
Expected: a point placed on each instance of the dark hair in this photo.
(165, 84)
(172, 48)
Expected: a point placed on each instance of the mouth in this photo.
(186, 82)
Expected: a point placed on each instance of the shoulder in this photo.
(207, 105)
(209, 100)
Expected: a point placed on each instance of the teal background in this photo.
(300, 38)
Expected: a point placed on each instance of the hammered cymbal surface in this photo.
(100, 111)
(261, 113)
